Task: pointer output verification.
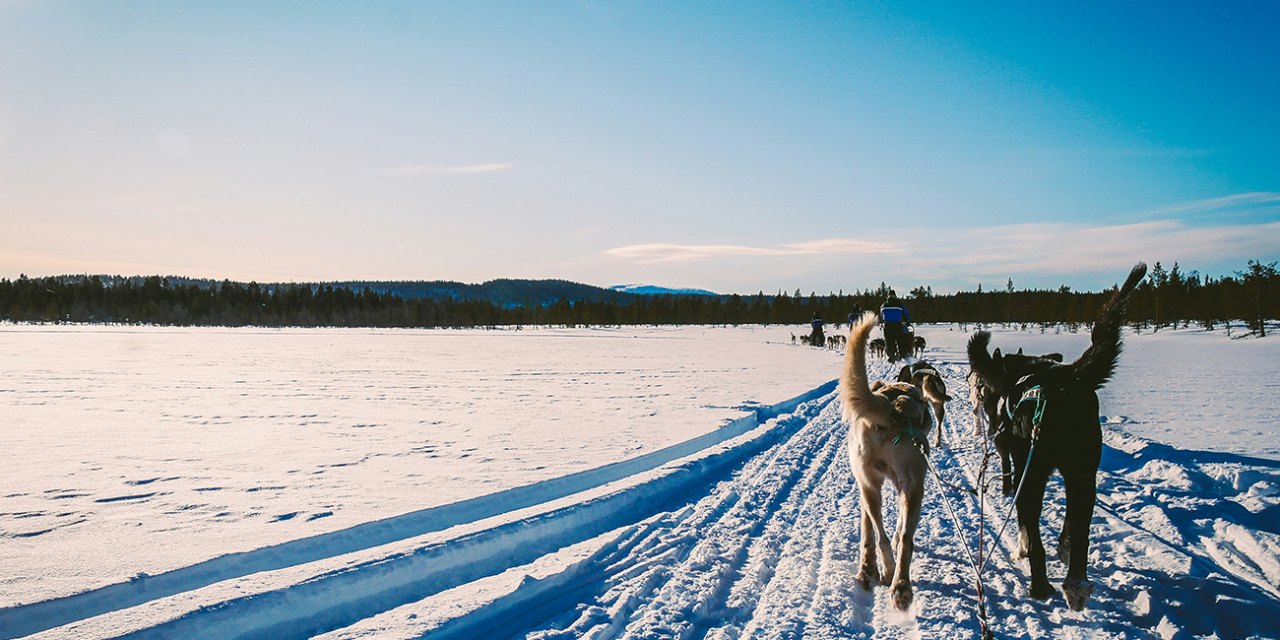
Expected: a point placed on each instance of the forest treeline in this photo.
(1167, 297)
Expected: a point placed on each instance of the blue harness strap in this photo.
(1034, 394)
(908, 429)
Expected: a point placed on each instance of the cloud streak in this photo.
(665, 252)
(1059, 248)
(1228, 203)
(431, 168)
(1039, 252)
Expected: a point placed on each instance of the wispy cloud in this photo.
(1227, 203)
(481, 168)
(844, 246)
(433, 168)
(1038, 254)
(1058, 248)
(664, 252)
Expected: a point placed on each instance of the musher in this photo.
(817, 338)
(895, 320)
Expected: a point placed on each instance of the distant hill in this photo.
(503, 292)
(650, 290)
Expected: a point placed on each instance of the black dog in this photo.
(1049, 413)
(999, 423)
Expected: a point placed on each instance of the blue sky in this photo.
(735, 147)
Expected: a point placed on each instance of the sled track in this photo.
(750, 533)
(771, 553)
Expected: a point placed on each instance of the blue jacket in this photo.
(894, 314)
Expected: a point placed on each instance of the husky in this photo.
(877, 347)
(924, 377)
(1049, 416)
(888, 438)
(982, 401)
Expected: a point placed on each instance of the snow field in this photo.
(141, 450)
(749, 535)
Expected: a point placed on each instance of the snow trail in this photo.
(23, 620)
(771, 553)
(755, 536)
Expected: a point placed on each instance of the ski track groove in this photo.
(796, 577)
(768, 549)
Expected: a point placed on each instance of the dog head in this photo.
(1001, 372)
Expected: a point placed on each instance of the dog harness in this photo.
(908, 428)
(1033, 394)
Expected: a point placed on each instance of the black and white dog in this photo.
(926, 378)
(1049, 414)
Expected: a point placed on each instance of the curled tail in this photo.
(1096, 365)
(981, 363)
(855, 392)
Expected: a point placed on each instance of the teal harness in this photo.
(1033, 394)
(909, 428)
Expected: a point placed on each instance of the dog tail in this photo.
(855, 393)
(1096, 366)
(981, 362)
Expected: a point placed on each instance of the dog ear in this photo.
(1019, 350)
(1057, 357)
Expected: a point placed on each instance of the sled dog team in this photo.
(1043, 415)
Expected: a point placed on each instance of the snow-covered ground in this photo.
(581, 483)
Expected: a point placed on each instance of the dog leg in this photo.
(912, 498)
(939, 408)
(873, 537)
(1081, 487)
(1030, 503)
(1008, 448)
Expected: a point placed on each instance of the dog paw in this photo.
(868, 577)
(1024, 547)
(1042, 590)
(886, 578)
(1077, 592)
(902, 595)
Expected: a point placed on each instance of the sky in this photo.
(736, 147)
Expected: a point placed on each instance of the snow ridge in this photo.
(771, 552)
(755, 536)
(27, 619)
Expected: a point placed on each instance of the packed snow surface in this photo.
(636, 482)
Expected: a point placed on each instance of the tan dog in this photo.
(924, 377)
(888, 438)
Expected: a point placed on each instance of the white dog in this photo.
(888, 438)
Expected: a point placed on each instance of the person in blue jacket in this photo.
(817, 338)
(895, 319)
